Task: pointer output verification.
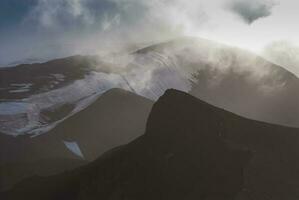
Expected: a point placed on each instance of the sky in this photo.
(47, 29)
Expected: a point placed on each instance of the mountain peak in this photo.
(174, 95)
(199, 116)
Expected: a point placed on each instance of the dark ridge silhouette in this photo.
(180, 156)
(116, 118)
(272, 172)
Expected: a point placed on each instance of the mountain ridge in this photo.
(185, 154)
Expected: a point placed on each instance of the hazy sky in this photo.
(44, 29)
(279, 23)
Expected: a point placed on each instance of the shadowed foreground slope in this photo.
(190, 150)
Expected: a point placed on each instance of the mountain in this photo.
(221, 75)
(190, 150)
(115, 118)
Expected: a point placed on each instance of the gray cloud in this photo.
(251, 10)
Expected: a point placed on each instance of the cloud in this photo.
(47, 29)
(58, 28)
(54, 14)
(251, 10)
(285, 54)
(108, 14)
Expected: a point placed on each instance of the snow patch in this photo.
(20, 87)
(74, 148)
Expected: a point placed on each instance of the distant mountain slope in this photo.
(114, 119)
(43, 77)
(224, 76)
(28, 90)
